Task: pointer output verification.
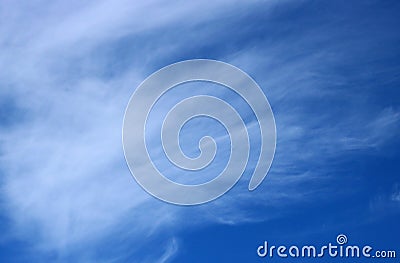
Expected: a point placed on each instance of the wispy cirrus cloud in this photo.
(65, 179)
(67, 71)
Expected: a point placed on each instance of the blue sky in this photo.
(330, 70)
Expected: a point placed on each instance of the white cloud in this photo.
(65, 179)
(170, 251)
(396, 193)
(396, 197)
